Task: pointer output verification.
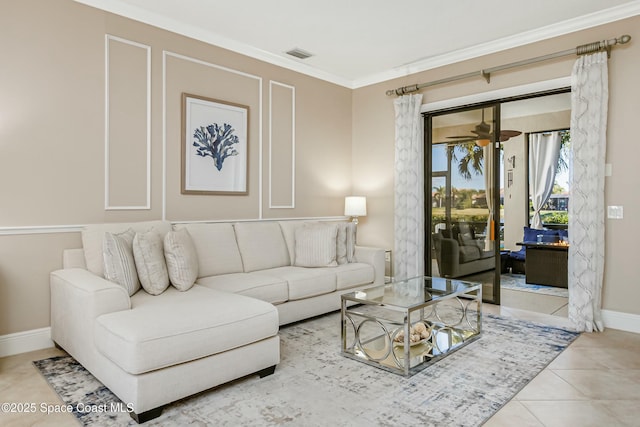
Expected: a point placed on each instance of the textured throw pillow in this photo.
(345, 242)
(119, 264)
(149, 257)
(182, 259)
(316, 245)
(351, 242)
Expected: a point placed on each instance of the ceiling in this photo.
(360, 42)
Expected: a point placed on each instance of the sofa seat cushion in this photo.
(518, 255)
(486, 254)
(469, 253)
(354, 274)
(262, 286)
(305, 282)
(177, 327)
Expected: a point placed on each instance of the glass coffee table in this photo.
(407, 325)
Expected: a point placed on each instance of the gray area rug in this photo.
(315, 386)
(517, 282)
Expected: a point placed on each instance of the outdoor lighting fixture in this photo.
(482, 142)
(355, 206)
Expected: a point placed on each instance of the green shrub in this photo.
(555, 217)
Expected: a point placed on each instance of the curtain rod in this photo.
(486, 73)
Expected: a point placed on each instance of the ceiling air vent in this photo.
(299, 53)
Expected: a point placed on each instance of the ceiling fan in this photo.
(483, 134)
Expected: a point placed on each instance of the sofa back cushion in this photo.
(261, 245)
(289, 232)
(93, 236)
(548, 236)
(345, 241)
(217, 248)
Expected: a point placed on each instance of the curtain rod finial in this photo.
(624, 39)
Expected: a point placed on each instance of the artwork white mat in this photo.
(214, 146)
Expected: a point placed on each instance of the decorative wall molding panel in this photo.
(40, 229)
(252, 114)
(127, 166)
(282, 145)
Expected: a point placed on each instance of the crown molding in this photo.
(121, 8)
(601, 17)
(543, 33)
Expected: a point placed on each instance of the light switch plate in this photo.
(608, 170)
(615, 212)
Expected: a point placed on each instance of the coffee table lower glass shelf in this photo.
(407, 325)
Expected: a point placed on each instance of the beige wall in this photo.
(373, 139)
(52, 137)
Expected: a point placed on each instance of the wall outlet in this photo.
(615, 212)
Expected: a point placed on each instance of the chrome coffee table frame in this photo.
(375, 319)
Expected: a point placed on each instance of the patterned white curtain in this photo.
(488, 171)
(409, 188)
(544, 150)
(589, 100)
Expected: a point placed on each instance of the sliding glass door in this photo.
(462, 190)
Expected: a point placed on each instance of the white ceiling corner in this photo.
(363, 42)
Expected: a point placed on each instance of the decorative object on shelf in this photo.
(355, 206)
(418, 333)
(214, 146)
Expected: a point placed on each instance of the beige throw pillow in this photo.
(182, 259)
(149, 257)
(119, 264)
(351, 242)
(316, 245)
(346, 242)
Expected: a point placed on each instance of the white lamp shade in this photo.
(355, 206)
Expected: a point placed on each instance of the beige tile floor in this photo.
(595, 382)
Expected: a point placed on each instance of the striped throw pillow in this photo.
(119, 264)
(149, 257)
(182, 259)
(316, 245)
(346, 242)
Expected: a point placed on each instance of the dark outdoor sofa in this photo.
(460, 253)
(517, 258)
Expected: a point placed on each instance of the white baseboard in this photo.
(622, 321)
(22, 342)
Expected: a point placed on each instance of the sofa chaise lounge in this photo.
(151, 350)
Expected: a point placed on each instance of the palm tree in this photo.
(565, 146)
(439, 194)
(473, 155)
(471, 160)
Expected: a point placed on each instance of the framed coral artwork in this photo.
(214, 146)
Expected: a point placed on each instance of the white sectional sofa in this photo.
(151, 350)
